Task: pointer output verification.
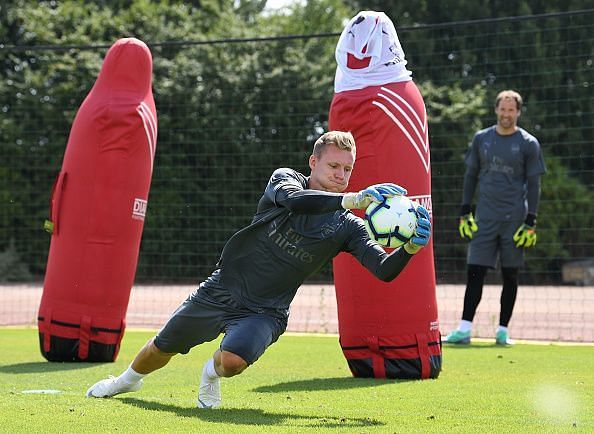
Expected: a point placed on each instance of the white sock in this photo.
(210, 370)
(465, 326)
(130, 376)
(501, 329)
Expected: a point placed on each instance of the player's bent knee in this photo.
(232, 364)
(153, 348)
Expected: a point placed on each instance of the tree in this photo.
(231, 111)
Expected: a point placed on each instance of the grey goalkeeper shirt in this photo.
(294, 232)
(502, 165)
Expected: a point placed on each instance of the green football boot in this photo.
(502, 338)
(458, 337)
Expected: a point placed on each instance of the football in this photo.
(392, 222)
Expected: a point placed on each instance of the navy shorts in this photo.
(494, 240)
(205, 314)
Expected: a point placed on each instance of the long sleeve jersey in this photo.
(294, 232)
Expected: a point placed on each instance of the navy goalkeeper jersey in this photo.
(504, 164)
(294, 232)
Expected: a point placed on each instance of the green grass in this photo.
(302, 384)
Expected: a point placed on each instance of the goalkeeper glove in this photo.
(422, 232)
(374, 193)
(467, 225)
(525, 236)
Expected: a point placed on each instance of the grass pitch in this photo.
(302, 384)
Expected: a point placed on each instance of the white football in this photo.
(392, 222)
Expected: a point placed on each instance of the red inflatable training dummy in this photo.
(97, 211)
(387, 330)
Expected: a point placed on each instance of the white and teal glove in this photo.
(373, 193)
(422, 233)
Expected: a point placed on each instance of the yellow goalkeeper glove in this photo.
(525, 236)
(467, 225)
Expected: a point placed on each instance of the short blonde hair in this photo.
(509, 94)
(341, 139)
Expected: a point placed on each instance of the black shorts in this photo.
(206, 314)
(493, 242)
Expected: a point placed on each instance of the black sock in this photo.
(508, 294)
(474, 290)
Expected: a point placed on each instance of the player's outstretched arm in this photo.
(387, 267)
(308, 201)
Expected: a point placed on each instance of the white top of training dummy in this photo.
(369, 53)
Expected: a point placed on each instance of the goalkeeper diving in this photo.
(301, 223)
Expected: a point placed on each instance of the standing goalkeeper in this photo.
(300, 224)
(506, 162)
